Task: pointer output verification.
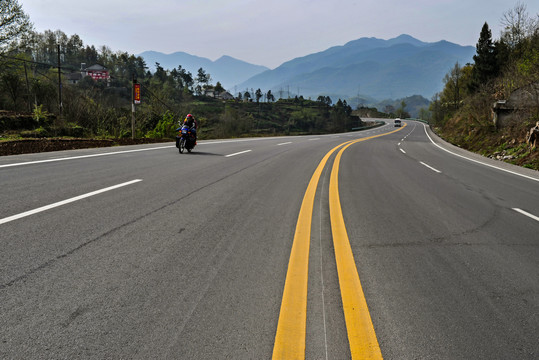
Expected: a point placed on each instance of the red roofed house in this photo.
(97, 72)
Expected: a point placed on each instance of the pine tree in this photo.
(485, 67)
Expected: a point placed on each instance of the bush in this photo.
(41, 116)
(164, 128)
(40, 132)
(13, 121)
(73, 130)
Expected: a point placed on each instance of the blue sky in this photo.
(264, 32)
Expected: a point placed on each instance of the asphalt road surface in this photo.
(142, 252)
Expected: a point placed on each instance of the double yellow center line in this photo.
(291, 329)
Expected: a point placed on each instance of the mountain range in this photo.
(227, 70)
(370, 68)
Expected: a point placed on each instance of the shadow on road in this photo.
(201, 153)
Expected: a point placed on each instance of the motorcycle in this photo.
(186, 139)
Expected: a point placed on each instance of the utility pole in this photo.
(133, 109)
(27, 89)
(60, 105)
(34, 72)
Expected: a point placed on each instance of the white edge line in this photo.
(430, 167)
(126, 151)
(404, 152)
(285, 143)
(238, 153)
(64, 202)
(477, 161)
(82, 156)
(536, 218)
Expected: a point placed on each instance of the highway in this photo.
(141, 252)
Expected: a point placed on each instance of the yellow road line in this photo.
(291, 328)
(290, 336)
(361, 335)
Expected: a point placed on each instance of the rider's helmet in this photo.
(189, 116)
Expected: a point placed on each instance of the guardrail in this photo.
(380, 123)
(377, 124)
(420, 120)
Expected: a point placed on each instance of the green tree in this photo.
(186, 77)
(457, 85)
(44, 93)
(91, 55)
(12, 83)
(14, 23)
(401, 112)
(165, 127)
(424, 114)
(203, 79)
(347, 108)
(324, 100)
(340, 116)
(219, 88)
(452, 92)
(269, 96)
(160, 73)
(486, 65)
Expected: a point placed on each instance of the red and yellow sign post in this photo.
(136, 94)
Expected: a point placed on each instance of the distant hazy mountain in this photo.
(414, 104)
(227, 70)
(369, 67)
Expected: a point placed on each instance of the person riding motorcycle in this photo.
(192, 123)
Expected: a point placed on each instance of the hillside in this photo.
(506, 144)
(22, 133)
(492, 106)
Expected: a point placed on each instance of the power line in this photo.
(25, 60)
(40, 63)
(156, 97)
